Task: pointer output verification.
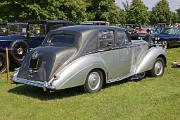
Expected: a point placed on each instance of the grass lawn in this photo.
(148, 99)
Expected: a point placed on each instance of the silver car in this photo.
(89, 56)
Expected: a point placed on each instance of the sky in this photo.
(174, 4)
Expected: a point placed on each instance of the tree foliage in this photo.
(18, 10)
(137, 13)
(82, 10)
(178, 14)
(174, 17)
(161, 12)
(105, 10)
(126, 5)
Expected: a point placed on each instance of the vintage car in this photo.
(140, 32)
(19, 37)
(168, 37)
(89, 56)
(11, 36)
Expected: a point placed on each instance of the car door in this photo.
(106, 39)
(123, 54)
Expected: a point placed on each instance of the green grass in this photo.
(148, 99)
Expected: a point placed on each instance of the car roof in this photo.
(49, 21)
(83, 28)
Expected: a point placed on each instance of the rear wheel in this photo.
(158, 68)
(2, 62)
(94, 81)
(18, 50)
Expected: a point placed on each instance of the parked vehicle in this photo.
(89, 56)
(168, 37)
(11, 36)
(140, 32)
(20, 37)
(130, 28)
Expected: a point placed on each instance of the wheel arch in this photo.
(75, 73)
(103, 72)
(164, 58)
(148, 60)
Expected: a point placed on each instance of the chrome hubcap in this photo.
(20, 51)
(94, 80)
(158, 68)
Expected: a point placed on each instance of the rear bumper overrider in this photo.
(45, 85)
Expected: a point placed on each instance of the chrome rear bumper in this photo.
(33, 83)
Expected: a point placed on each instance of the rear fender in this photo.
(149, 59)
(76, 72)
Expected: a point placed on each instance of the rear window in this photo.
(60, 40)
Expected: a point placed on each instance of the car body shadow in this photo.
(38, 93)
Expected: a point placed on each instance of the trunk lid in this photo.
(41, 63)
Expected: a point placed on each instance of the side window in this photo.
(122, 38)
(36, 30)
(106, 38)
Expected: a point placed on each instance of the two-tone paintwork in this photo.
(116, 64)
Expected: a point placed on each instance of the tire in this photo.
(158, 68)
(18, 49)
(94, 81)
(2, 63)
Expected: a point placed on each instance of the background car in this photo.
(168, 37)
(20, 37)
(11, 37)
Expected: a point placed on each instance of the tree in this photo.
(161, 12)
(126, 5)
(75, 10)
(117, 16)
(105, 10)
(178, 14)
(174, 17)
(137, 13)
(19, 10)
